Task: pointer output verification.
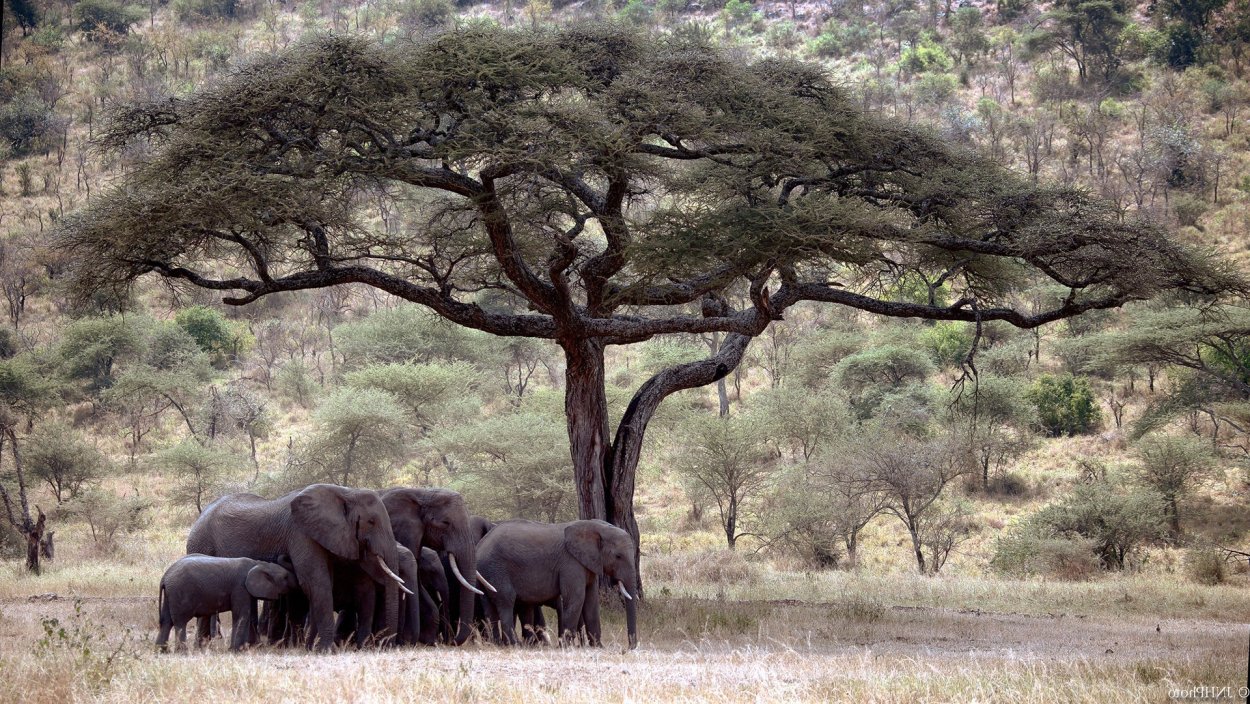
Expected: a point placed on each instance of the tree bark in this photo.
(586, 411)
(622, 461)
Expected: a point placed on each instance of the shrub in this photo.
(207, 327)
(60, 457)
(1065, 404)
(948, 343)
(1206, 566)
(870, 375)
(417, 14)
(109, 516)
(1189, 209)
(1029, 555)
(200, 10)
(926, 57)
(1116, 520)
(100, 20)
(27, 124)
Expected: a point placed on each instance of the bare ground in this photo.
(692, 650)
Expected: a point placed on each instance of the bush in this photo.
(926, 57)
(1116, 520)
(201, 10)
(870, 375)
(1029, 555)
(101, 20)
(720, 567)
(1206, 566)
(109, 516)
(1065, 404)
(60, 457)
(948, 343)
(209, 328)
(27, 124)
(1189, 209)
(418, 14)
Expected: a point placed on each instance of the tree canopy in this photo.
(594, 186)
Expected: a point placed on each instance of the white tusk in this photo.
(620, 586)
(451, 559)
(392, 575)
(486, 584)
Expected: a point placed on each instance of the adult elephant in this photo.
(478, 527)
(437, 519)
(435, 602)
(323, 528)
(538, 563)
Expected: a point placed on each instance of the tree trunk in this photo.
(33, 530)
(731, 523)
(915, 545)
(622, 461)
(586, 410)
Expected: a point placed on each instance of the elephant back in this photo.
(240, 525)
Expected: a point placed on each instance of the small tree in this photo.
(58, 455)
(110, 516)
(1173, 467)
(823, 506)
(728, 459)
(1116, 521)
(871, 374)
(912, 473)
(199, 471)
(997, 418)
(90, 347)
(359, 434)
(24, 391)
(1065, 404)
(434, 394)
(514, 465)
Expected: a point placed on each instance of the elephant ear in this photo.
(583, 541)
(322, 513)
(262, 584)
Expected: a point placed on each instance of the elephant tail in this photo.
(162, 613)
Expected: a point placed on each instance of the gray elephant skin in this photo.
(539, 563)
(437, 519)
(202, 586)
(325, 529)
(478, 527)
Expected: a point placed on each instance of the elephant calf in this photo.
(199, 585)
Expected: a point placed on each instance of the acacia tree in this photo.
(595, 187)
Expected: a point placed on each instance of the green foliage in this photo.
(727, 461)
(28, 125)
(1173, 467)
(968, 37)
(109, 516)
(205, 10)
(815, 359)
(1189, 209)
(209, 328)
(104, 20)
(738, 12)
(407, 333)
(800, 419)
(1065, 404)
(1206, 566)
(295, 382)
(90, 347)
(8, 342)
(358, 436)
(417, 14)
(512, 465)
(199, 471)
(936, 88)
(1115, 520)
(948, 343)
(1021, 554)
(434, 394)
(62, 458)
(927, 56)
(1009, 10)
(638, 12)
(171, 348)
(868, 376)
(837, 39)
(25, 12)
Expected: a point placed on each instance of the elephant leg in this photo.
(590, 616)
(203, 630)
(180, 630)
(366, 603)
(571, 602)
(491, 614)
(240, 623)
(507, 621)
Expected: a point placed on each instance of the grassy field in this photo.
(724, 630)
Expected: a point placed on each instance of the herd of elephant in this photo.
(334, 564)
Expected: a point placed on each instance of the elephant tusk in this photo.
(486, 584)
(451, 559)
(392, 575)
(620, 586)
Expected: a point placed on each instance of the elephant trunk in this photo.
(382, 566)
(465, 556)
(631, 620)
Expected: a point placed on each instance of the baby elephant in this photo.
(199, 585)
